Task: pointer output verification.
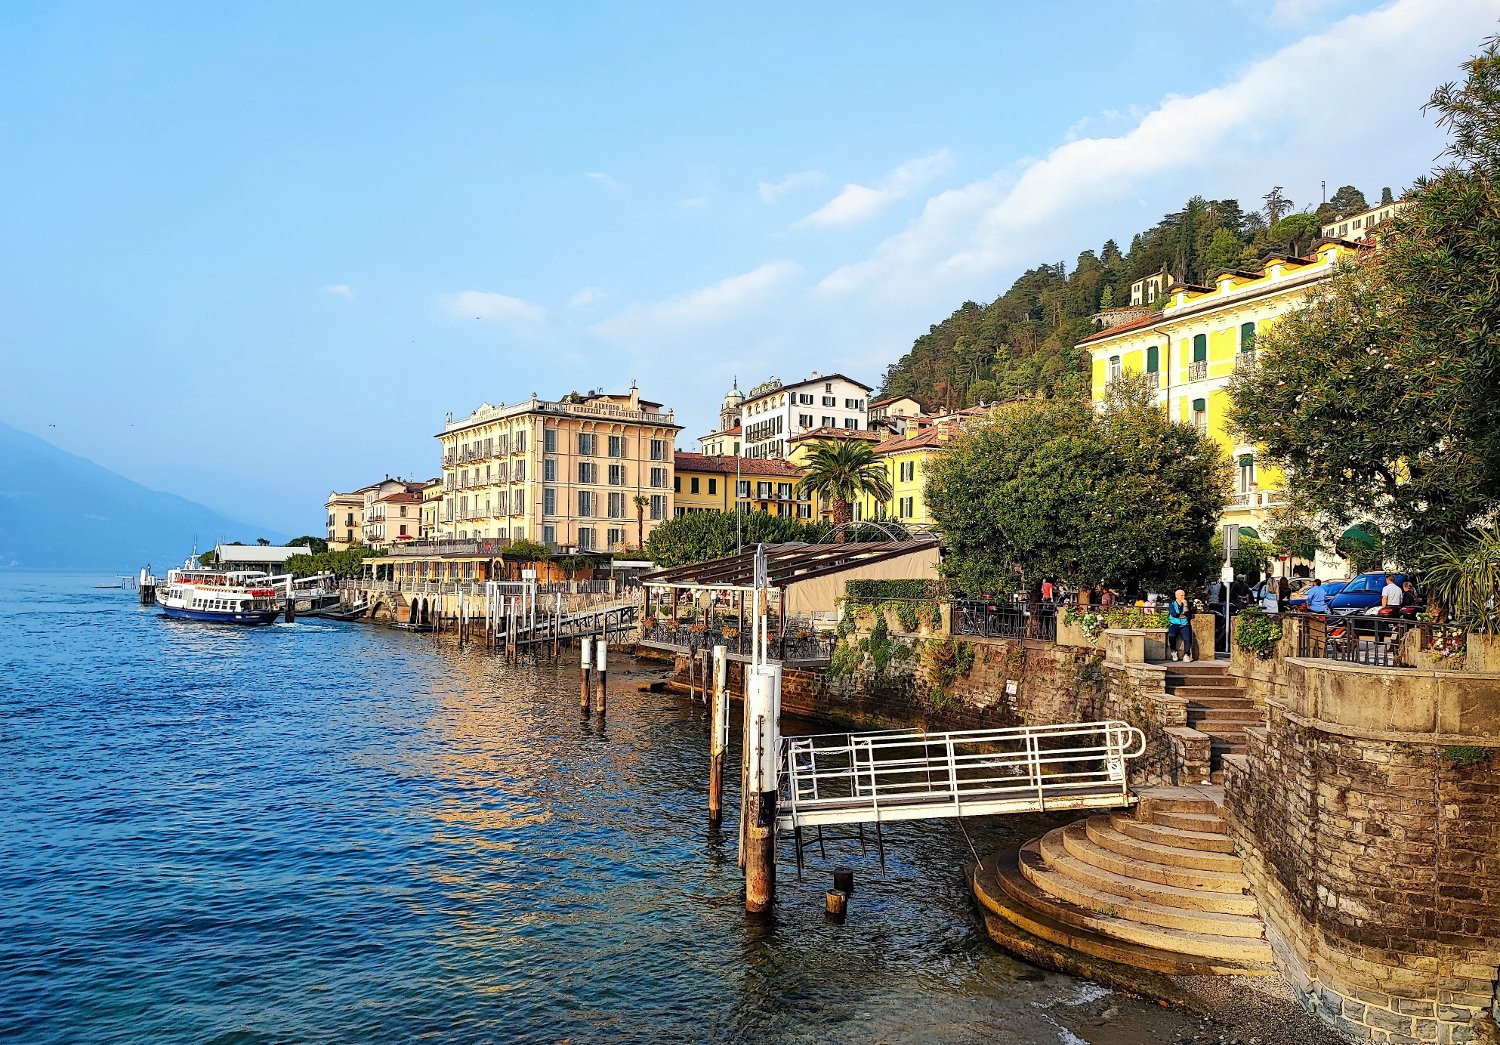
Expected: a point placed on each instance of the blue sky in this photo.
(390, 212)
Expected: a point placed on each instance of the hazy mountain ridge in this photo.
(61, 510)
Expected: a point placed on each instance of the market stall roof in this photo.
(786, 564)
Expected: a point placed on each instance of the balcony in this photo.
(1152, 379)
(1198, 370)
(1245, 361)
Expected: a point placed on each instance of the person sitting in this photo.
(1317, 598)
(1177, 626)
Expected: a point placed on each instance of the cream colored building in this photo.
(432, 506)
(564, 473)
(1363, 226)
(349, 513)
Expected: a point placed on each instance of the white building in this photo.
(773, 413)
(1356, 228)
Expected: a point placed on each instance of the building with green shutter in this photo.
(1191, 347)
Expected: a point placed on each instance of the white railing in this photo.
(902, 775)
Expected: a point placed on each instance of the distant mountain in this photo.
(60, 510)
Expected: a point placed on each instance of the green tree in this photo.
(842, 470)
(1276, 205)
(316, 545)
(699, 536)
(527, 551)
(1381, 396)
(1052, 489)
(1347, 200)
(640, 501)
(1223, 252)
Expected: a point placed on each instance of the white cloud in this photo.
(716, 303)
(490, 306)
(585, 297)
(603, 179)
(695, 202)
(857, 203)
(1259, 129)
(339, 290)
(771, 191)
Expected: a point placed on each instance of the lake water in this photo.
(328, 832)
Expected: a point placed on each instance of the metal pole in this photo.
(586, 649)
(719, 738)
(601, 671)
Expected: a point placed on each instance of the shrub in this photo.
(1257, 633)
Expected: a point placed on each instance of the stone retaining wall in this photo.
(1375, 852)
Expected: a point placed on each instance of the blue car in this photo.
(1361, 593)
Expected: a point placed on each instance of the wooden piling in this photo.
(761, 700)
(718, 738)
(835, 905)
(601, 673)
(586, 648)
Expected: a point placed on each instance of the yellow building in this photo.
(563, 473)
(349, 513)
(704, 483)
(1202, 335)
(907, 460)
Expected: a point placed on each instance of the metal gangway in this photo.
(880, 777)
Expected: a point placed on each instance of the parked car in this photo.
(1331, 587)
(1361, 593)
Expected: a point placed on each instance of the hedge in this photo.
(911, 588)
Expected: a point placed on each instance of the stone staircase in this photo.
(1216, 705)
(1159, 890)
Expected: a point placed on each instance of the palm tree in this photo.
(839, 471)
(640, 520)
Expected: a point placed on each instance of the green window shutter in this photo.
(1199, 405)
(1247, 337)
(1200, 348)
(1153, 359)
(1247, 460)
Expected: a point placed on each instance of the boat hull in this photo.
(221, 617)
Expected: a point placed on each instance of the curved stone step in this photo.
(1005, 895)
(1230, 887)
(1086, 915)
(1102, 832)
(1208, 823)
(1197, 841)
(1175, 800)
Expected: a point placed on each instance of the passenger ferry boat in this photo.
(232, 597)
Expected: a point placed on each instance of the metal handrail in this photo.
(865, 772)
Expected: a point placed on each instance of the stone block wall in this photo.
(1377, 865)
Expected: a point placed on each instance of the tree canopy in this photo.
(1048, 489)
(841, 471)
(698, 536)
(1023, 343)
(1381, 396)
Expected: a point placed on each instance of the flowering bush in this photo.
(1449, 649)
(1093, 623)
(1258, 633)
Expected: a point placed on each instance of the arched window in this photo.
(1247, 337)
(1200, 348)
(1153, 359)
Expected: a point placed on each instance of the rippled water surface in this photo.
(334, 833)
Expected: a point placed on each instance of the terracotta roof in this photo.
(405, 496)
(725, 464)
(1134, 324)
(933, 436)
(837, 433)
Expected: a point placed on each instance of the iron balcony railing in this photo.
(999, 619)
(1198, 370)
(1245, 360)
(1371, 639)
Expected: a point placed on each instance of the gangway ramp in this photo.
(886, 776)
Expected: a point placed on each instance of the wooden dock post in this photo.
(586, 648)
(601, 673)
(762, 700)
(719, 738)
(843, 880)
(835, 905)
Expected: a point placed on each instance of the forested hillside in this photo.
(1022, 343)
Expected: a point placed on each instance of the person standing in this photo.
(1391, 595)
(1107, 600)
(1283, 595)
(1178, 614)
(1047, 590)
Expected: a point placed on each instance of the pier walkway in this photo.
(879, 777)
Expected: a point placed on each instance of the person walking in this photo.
(1178, 614)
